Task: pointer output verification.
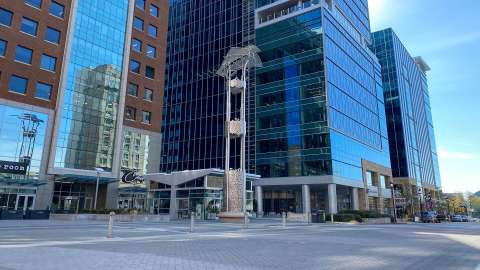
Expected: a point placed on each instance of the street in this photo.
(265, 244)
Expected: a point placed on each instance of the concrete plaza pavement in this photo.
(265, 244)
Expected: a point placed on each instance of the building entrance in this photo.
(25, 202)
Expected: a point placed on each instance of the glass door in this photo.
(25, 202)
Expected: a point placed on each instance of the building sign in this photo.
(13, 167)
(131, 177)
(373, 191)
(400, 202)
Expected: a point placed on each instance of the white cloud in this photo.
(444, 154)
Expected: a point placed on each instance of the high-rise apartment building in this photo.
(78, 80)
(321, 131)
(413, 152)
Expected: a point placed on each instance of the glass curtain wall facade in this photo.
(319, 96)
(91, 95)
(200, 34)
(410, 126)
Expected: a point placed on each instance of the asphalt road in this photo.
(263, 245)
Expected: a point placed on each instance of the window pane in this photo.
(132, 89)
(136, 45)
(146, 117)
(138, 23)
(29, 26)
(148, 94)
(23, 55)
(57, 9)
(52, 35)
(34, 3)
(48, 62)
(43, 90)
(3, 47)
(150, 72)
(18, 84)
(134, 66)
(5, 17)
(151, 51)
(140, 4)
(130, 113)
(153, 10)
(152, 30)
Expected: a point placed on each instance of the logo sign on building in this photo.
(373, 191)
(13, 167)
(131, 177)
(400, 202)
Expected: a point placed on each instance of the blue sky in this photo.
(447, 35)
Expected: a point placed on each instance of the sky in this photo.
(447, 35)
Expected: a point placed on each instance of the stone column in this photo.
(173, 203)
(355, 203)
(259, 196)
(112, 195)
(332, 198)
(306, 199)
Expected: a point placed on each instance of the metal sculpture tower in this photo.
(236, 64)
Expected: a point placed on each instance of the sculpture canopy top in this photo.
(238, 59)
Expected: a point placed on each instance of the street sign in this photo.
(13, 167)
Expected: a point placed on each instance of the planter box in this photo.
(297, 217)
(11, 214)
(385, 220)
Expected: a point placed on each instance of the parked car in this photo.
(464, 218)
(429, 216)
(457, 218)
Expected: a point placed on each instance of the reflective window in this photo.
(87, 131)
(138, 23)
(57, 9)
(18, 84)
(148, 94)
(52, 35)
(146, 117)
(369, 178)
(134, 66)
(23, 55)
(34, 3)
(29, 26)
(3, 47)
(152, 30)
(48, 62)
(151, 51)
(132, 89)
(14, 145)
(131, 113)
(136, 45)
(43, 90)
(135, 151)
(140, 4)
(6, 17)
(150, 72)
(153, 10)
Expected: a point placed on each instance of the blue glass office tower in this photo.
(321, 131)
(200, 34)
(410, 127)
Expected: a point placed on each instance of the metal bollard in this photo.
(192, 220)
(284, 219)
(110, 224)
(245, 221)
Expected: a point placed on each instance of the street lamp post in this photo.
(392, 188)
(98, 170)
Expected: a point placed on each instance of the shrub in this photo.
(364, 213)
(347, 217)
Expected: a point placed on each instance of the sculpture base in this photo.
(231, 217)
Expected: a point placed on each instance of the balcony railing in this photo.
(285, 9)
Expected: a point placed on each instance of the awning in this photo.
(84, 179)
(29, 182)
